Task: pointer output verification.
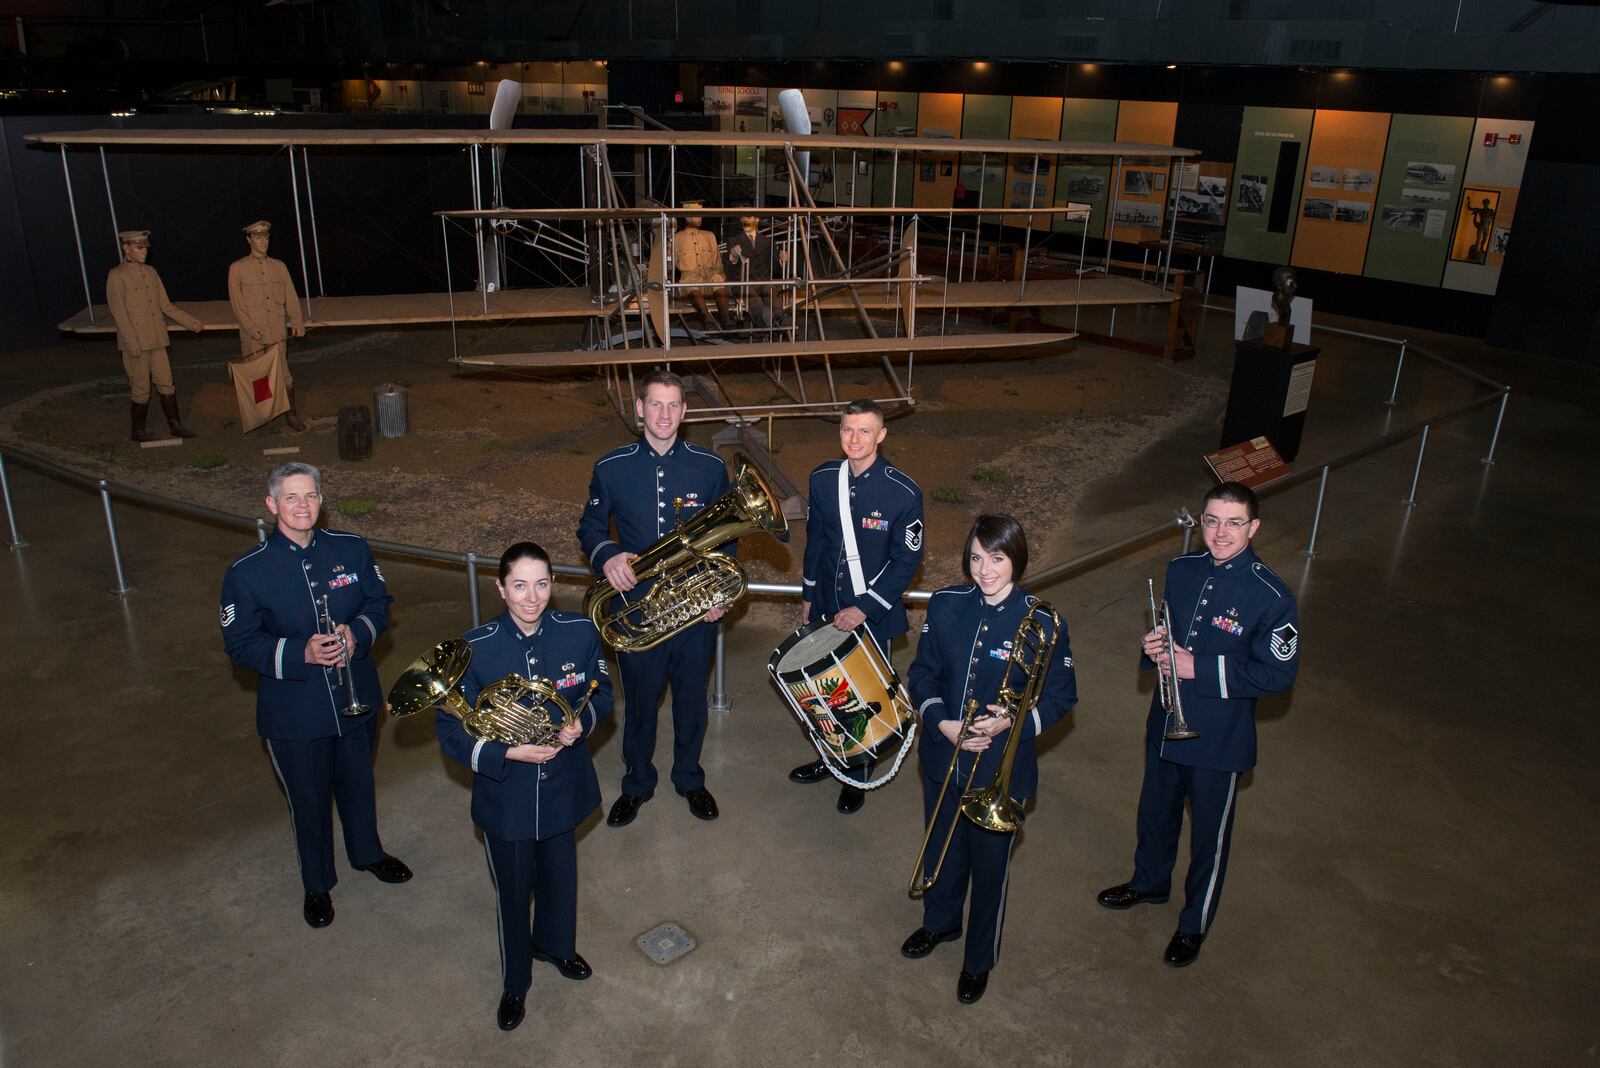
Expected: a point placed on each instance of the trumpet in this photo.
(992, 807)
(1167, 677)
(346, 679)
(512, 710)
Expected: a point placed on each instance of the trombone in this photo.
(347, 676)
(1167, 677)
(992, 807)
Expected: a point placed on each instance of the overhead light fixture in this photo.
(1172, 66)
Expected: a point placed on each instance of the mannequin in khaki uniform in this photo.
(267, 306)
(695, 251)
(140, 308)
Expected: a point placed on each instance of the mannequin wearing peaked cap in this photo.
(267, 307)
(140, 308)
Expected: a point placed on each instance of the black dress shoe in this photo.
(319, 909)
(970, 988)
(922, 941)
(701, 803)
(388, 870)
(815, 771)
(1123, 896)
(851, 798)
(1183, 949)
(576, 968)
(624, 810)
(511, 1011)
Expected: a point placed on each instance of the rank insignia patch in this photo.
(914, 535)
(229, 613)
(1285, 641)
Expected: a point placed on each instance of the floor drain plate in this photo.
(666, 943)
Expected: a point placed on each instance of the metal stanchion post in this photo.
(1494, 440)
(1394, 390)
(261, 531)
(11, 512)
(123, 589)
(472, 585)
(1422, 447)
(1316, 519)
(719, 679)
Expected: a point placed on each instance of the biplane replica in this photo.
(850, 282)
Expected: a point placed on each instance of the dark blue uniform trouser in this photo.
(980, 857)
(546, 872)
(315, 773)
(683, 661)
(1211, 802)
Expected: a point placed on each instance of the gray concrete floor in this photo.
(1412, 860)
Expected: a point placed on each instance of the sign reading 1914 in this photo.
(1254, 462)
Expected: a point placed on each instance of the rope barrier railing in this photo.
(1181, 520)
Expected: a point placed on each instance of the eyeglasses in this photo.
(1211, 522)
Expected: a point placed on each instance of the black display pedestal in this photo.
(1268, 395)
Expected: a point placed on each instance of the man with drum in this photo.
(864, 541)
(646, 487)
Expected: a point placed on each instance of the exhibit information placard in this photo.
(1483, 221)
(1087, 180)
(1266, 183)
(1417, 196)
(1254, 463)
(1340, 187)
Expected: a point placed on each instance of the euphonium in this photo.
(512, 710)
(992, 807)
(686, 574)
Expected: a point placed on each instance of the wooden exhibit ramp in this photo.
(856, 346)
(403, 309)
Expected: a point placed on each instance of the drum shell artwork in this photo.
(840, 685)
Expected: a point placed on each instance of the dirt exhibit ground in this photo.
(492, 457)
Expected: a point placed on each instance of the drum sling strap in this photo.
(852, 554)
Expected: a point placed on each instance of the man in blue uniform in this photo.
(640, 486)
(1237, 638)
(271, 602)
(863, 546)
(530, 799)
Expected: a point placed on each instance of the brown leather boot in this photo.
(297, 424)
(169, 407)
(136, 417)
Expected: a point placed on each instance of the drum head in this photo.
(810, 649)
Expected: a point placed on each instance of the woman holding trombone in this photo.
(992, 660)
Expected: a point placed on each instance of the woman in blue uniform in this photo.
(962, 656)
(530, 799)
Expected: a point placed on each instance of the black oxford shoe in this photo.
(1183, 949)
(969, 988)
(851, 798)
(388, 870)
(1123, 896)
(701, 803)
(576, 968)
(922, 941)
(319, 909)
(511, 1010)
(815, 771)
(624, 810)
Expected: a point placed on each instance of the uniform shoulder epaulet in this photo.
(619, 452)
(1191, 556)
(487, 630)
(568, 617)
(705, 453)
(905, 481)
(826, 467)
(952, 592)
(249, 554)
(341, 534)
(1269, 578)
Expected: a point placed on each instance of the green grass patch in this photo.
(949, 495)
(492, 445)
(208, 460)
(356, 507)
(1011, 393)
(992, 475)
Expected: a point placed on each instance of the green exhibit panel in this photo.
(987, 117)
(1266, 183)
(897, 117)
(1085, 180)
(1418, 191)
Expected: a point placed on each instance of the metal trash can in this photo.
(389, 401)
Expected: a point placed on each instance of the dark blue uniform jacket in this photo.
(886, 515)
(513, 800)
(963, 653)
(268, 611)
(1239, 621)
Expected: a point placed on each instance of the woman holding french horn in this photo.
(993, 671)
(530, 798)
